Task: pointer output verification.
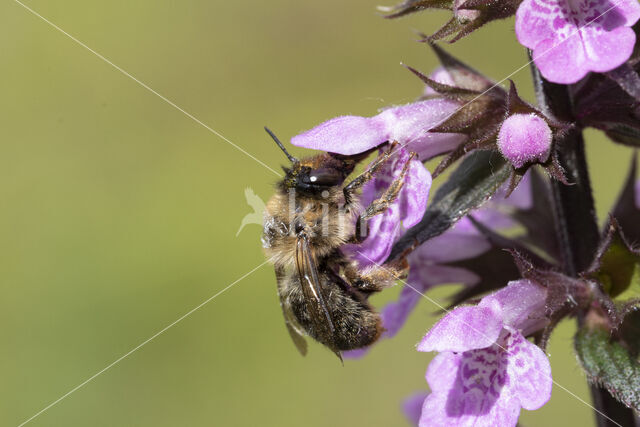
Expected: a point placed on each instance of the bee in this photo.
(313, 214)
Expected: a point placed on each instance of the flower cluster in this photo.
(486, 370)
(527, 248)
(568, 38)
(571, 38)
(408, 125)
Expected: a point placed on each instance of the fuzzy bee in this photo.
(323, 293)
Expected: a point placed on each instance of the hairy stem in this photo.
(575, 219)
(576, 222)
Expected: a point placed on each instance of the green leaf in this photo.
(617, 266)
(613, 362)
(479, 176)
(620, 270)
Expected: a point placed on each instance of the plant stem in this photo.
(574, 209)
(575, 218)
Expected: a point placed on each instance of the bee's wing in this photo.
(289, 318)
(313, 294)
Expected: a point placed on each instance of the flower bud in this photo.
(525, 138)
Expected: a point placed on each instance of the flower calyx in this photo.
(468, 15)
(495, 119)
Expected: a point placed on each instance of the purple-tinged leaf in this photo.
(454, 93)
(462, 75)
(627, 208)
(628, 79)
(411, 6)
(602, 103)
(467, 17)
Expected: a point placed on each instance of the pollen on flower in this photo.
(525, 138)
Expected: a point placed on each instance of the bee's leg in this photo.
(376, 277)
(389, 196)
(380, 204)
(366, 176)
(361, 231)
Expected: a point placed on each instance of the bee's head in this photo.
(315, 174)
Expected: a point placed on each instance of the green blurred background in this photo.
(119, 213)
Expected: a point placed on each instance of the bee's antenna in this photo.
(275, 138)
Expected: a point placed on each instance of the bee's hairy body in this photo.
(356, 323)
(323, 292)
(325, 222)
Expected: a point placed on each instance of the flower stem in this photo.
(574, 209)
(575, 218)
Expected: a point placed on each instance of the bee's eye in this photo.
(325, 177)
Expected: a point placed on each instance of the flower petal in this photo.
(529, 372)
(470, 389)
(383, 231)
(520, 304)
(412, 407)
(569, 62)
(414, 194)
(343, 135)
(449, 247)
(421, 278)
(442, 373)
(571, 38)
(534, 22)
(407, 124)
(355, 354)
(408, 209)
(436, 412)
(464, 328)
(432, 144)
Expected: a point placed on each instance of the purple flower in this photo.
(571, 38)
(525, 138)
(461, 242)
(385, 228)
(487, 370)
(425, 273)
(409, 125)
(412, 406)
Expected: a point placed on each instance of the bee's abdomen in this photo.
(356, 324)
